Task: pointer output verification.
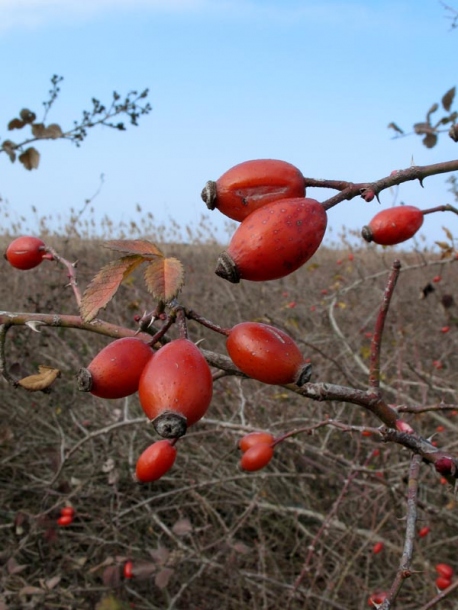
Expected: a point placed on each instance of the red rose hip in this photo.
(251, 184)
(267, 354)
(274, 241)
(394, 225)
(115, 371)
(175, 388)
(26, 252)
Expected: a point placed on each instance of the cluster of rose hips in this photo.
(67, 514)
(445, 574)
(280, 228)
(175, 385)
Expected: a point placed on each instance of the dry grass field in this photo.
(297, 534)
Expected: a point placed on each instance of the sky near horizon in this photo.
(312, 83)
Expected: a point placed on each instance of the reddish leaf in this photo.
(143, 570)
(182, 527)
(163, 577)
(105, 284)
(141, 247)
(161, 554)
(164, 278)
(112, 576)
(447, 100)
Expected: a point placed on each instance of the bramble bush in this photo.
(302, 446)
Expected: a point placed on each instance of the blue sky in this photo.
(312, 83)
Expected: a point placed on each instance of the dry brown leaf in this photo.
(51, 583)
(41, 380)
(135, 246)
(15, 124)
(9, 147)
(164, 278)
(30, 590)
(112, 576)
(27, 115)
(52, 132)
(13, 567)
(30, 158)
(448, 98)
(103, 287)
(161, 554)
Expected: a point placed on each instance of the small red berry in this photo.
(255, 438)
(65, 520)
(273, 241)
(128, 569)
(256, 457)
(116, 370)
(267, 354)
(424, 531)
(252, 184)
(403, 426)
(377, 598)
(393, 225)
(443, 583)
(155, 461)
(176, 388)
(437, 364)
(67, 511)
(437, 279)
(445, 570)
(445, 329)
(25, 252)
(378, 548)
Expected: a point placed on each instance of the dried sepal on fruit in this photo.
(251, 185)
(273, 241)
(176, 388)
(393, 225)
(267, 354)
(116, 370)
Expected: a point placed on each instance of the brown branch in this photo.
(349, 190)
(376, 342)
(411, 520)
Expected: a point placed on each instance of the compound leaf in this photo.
(141, 247)
(103, 287)
(164, 278)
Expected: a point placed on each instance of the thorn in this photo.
(420, 180)
(33, 324)
(378, 198)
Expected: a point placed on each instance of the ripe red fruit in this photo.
(443, 583)
(128, 569)
(255, 438)
(377, 598)
(65, 520)
(67, 511)
(175, 388)
(424, 531)
(256, 457)
(445, 570)
(155, 461)
(378, 548)
(267, 354)
(444, 466)
(394, 225)
(437, 278)
(273, 241)
(26, 252)
(445, 329)
(251, 184)
(116, 370)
